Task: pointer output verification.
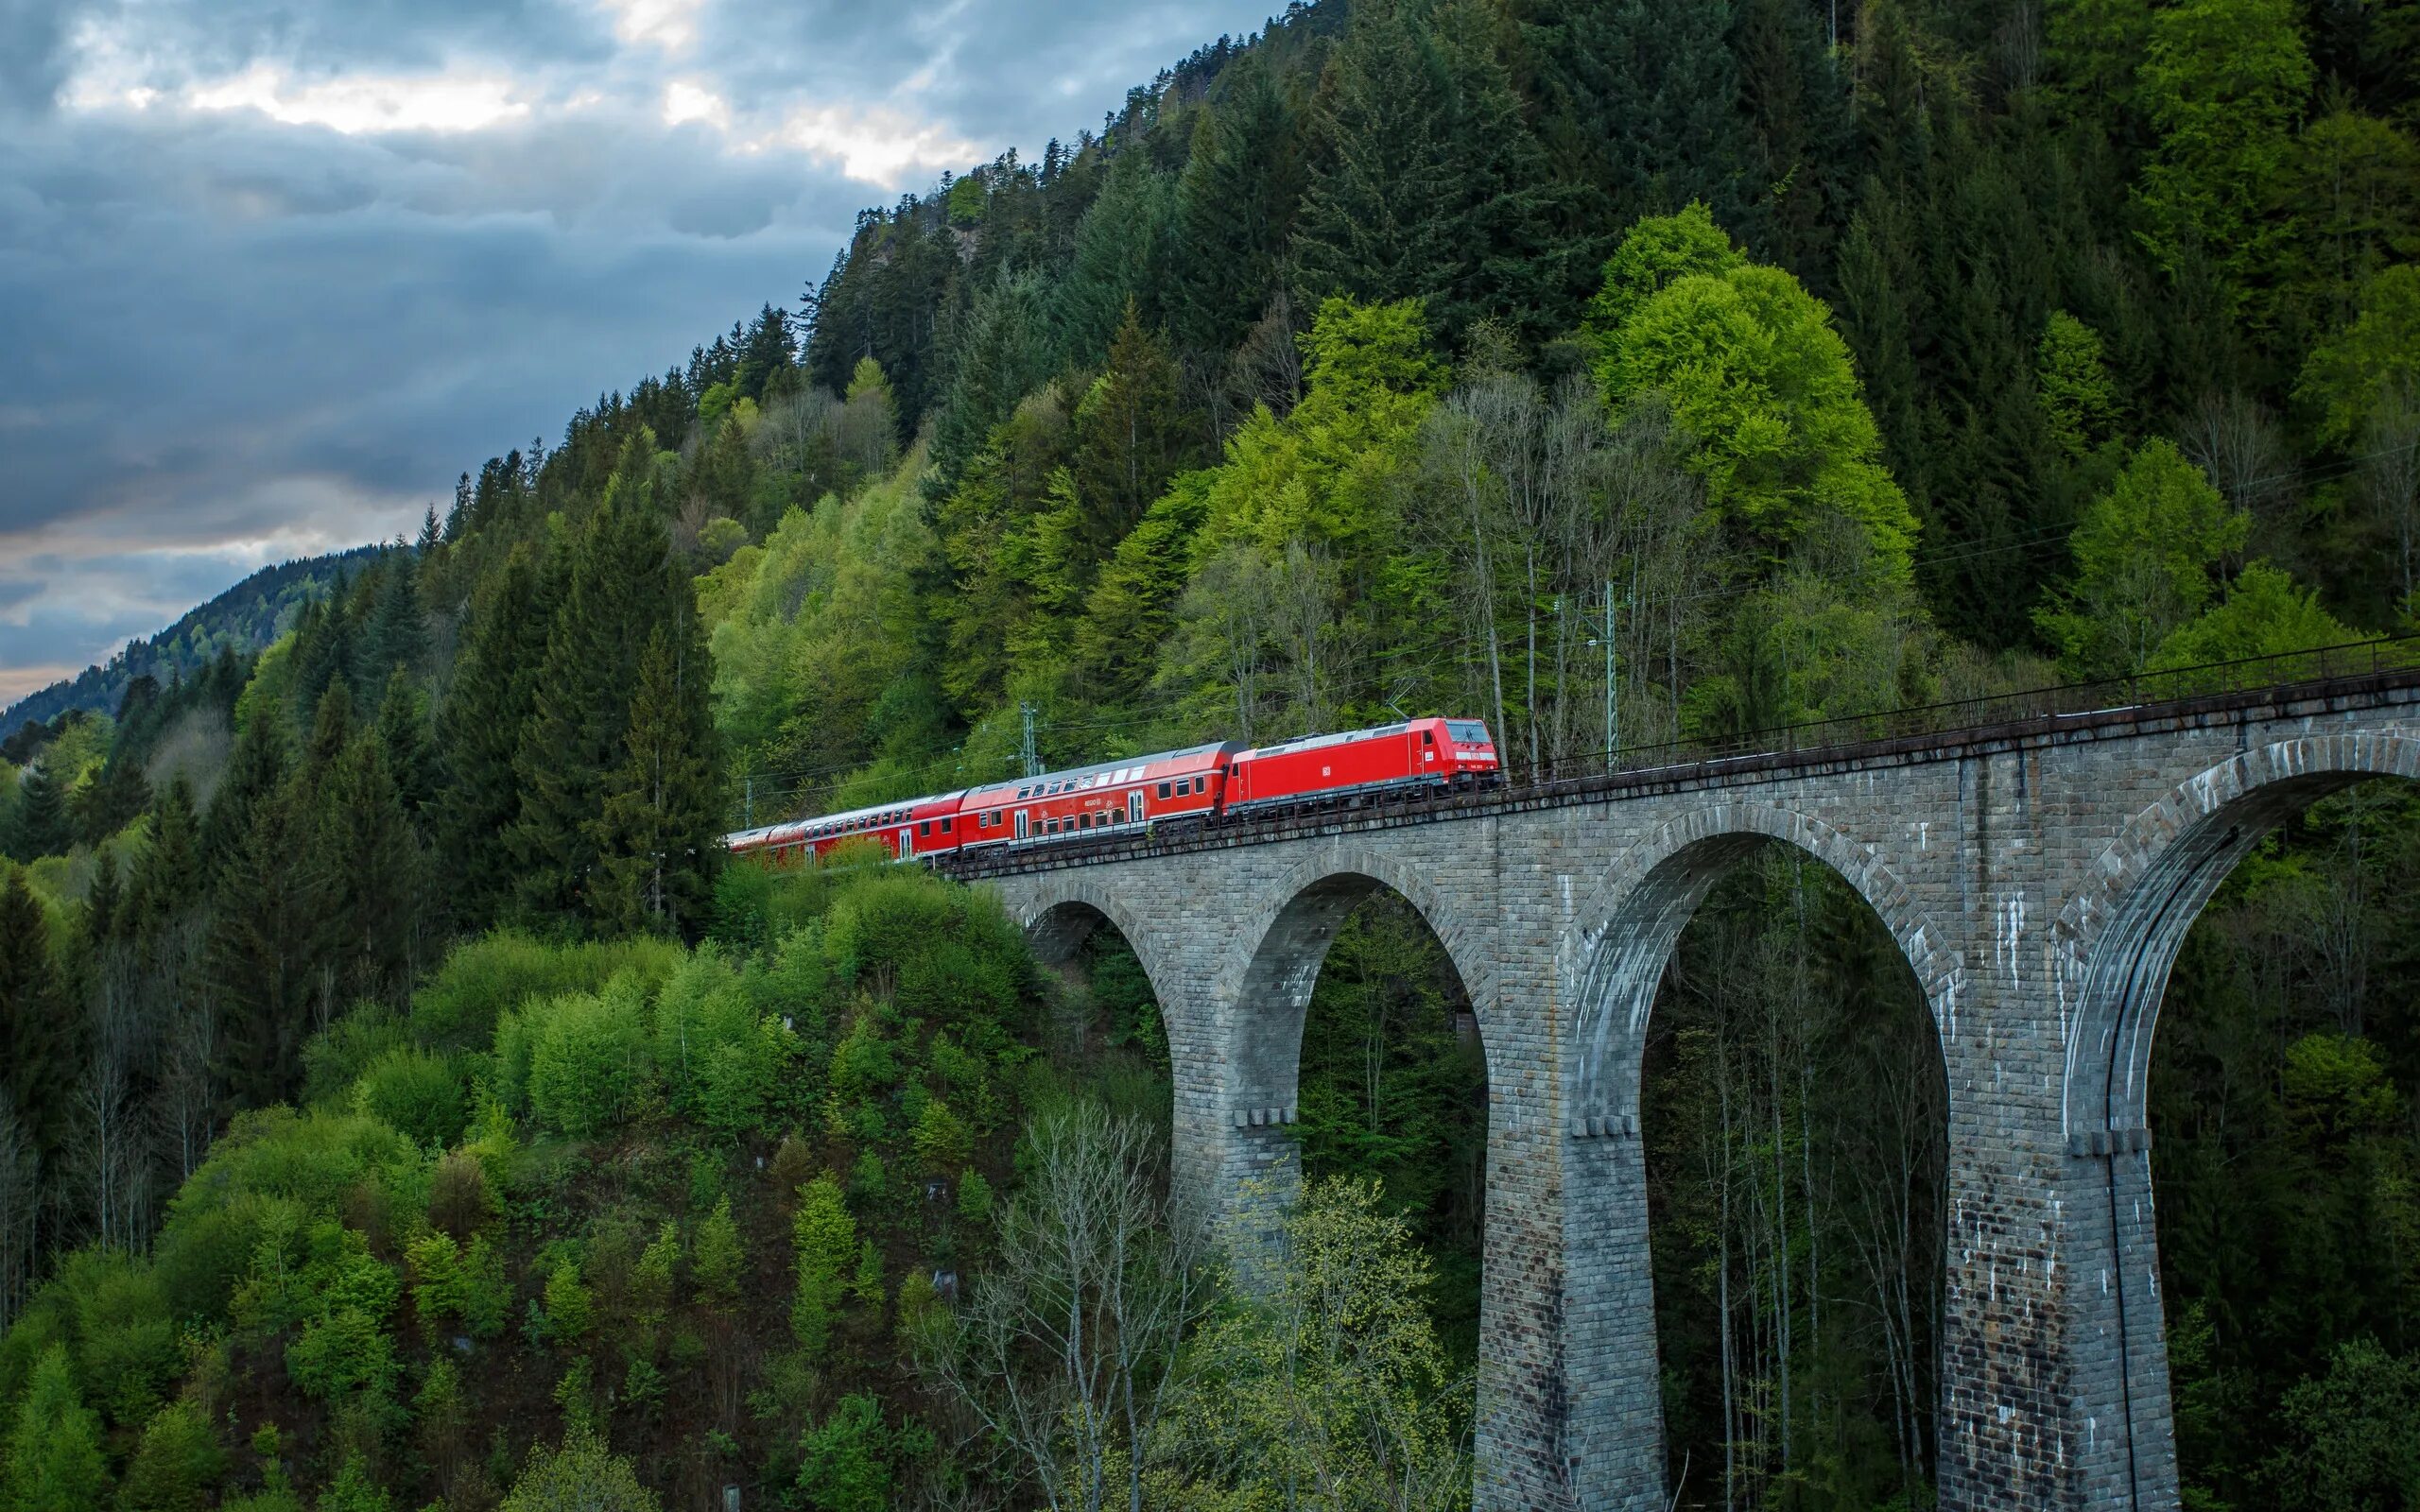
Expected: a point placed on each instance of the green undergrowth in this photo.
(677, 1203)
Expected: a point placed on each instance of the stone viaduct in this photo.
(2039, 876)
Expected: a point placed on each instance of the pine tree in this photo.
(397, 635)
(256, 769)
(492, 696)
(655, 834)
(167, 876)
(112, 801)
(103, 904)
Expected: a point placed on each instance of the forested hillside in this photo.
(244, 619)
(403, 1107)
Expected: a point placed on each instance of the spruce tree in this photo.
(573, 741)
(655, 833)
(1130, 435)
(261, 957)
(167, 878)
(402, 734)
(369, 867)
(397, 636)
(41, 826)
(112, 801)
(1381, 166)
(255, 769)
(492, 696)
(1235, 208)
(39, 1070)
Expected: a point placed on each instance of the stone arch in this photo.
(1062, 912)
(1268, 978)
(1625, 928)
(2118, 936)
(1613, 956)
(1288, 937)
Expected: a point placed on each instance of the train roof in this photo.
(1098, 769)
(1315, 742)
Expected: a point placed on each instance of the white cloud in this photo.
(877, 143)
(686, 101)
(670, 26)
(358, 103)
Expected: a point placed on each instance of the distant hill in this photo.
(247, 617)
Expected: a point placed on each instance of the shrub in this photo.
(178, 1466)
(842, 1461)
(344, 1354)
(720, 1061)
(588, 1059)
(125, 1350)
(943, 1140)
(584, 1474)
(826, 1239)
(793, 1163)
(458, 1200)
(718, 1259)
(975, 1197)
(415, 1092)
(335, 1058)
(55, 1446)
(352, 1490)
(464, 1001)
(652, 1279)
(570, 1310)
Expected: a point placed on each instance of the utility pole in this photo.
(1612, 716)
(1032, 760)
(748, 803)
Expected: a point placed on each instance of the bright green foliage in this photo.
(352, 1490)
(581, 1476)
(55, 1461)
(344, 1353)
(1655, 251)
(1752, 368)
(1328, 1376)
(2222, 83)
(2265, 613)
(843, 1460)
(2145, 553)
(720, 1063)
(942, 1138)
(570, 1312)
(717, 1259)
(587, 1056)
(826, 1238)
(482, 979)
(652, 1280)
(177, 1466)
(420, 1094)
(2355, 374)
(2078, 399)
(975, 1197)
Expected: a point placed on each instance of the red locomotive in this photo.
(1200, 784)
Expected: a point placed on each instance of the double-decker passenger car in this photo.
(908, 828)
(1415, 755)
(1175, 784)
(1196, 786)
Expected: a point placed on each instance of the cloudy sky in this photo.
(273, 271)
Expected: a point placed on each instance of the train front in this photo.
(1473, 763)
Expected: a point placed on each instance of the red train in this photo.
(1196, 785)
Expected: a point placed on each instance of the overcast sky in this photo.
(272, 273)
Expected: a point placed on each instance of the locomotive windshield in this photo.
(1470, 731)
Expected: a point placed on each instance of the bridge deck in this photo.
(2387, 677)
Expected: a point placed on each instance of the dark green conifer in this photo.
(39, 1069)
(655, 833)
(40, 825)
(492, 698)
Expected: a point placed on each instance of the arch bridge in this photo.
(2038, 875)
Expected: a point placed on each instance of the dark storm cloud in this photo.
(272, 273)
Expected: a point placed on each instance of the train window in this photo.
(925, 827)
(1164, 790)
(945, 824)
